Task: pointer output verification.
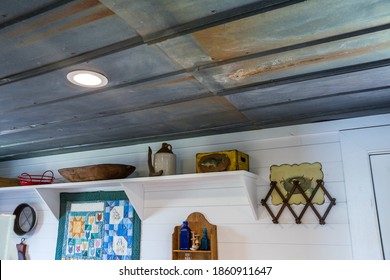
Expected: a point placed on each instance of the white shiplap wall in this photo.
(239, 235)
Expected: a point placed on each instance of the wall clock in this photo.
(25, 219)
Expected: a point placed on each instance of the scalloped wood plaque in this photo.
(306, 174)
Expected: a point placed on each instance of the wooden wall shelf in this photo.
(196, 222)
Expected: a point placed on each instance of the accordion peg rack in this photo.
(308, 200)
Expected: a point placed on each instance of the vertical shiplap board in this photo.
(239, 235)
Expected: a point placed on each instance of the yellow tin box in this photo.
(221, 161)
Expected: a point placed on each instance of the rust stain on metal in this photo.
(53, 17)
(79, 22)
(220, 43)
(233, 39)
(276, 65)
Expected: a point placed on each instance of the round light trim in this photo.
(86, 78)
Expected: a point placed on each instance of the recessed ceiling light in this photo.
(85, 78)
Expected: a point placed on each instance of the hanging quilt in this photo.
(97, 226)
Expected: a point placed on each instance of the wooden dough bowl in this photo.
(96, 172)
(6, 182)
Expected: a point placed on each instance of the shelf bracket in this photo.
(51, 198)
(135, 193)
(250, 190)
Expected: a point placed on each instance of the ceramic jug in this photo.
(164, 161)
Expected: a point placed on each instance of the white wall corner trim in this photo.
(356, 146)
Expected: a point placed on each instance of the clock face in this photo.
(25, 219)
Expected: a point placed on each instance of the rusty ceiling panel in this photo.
(278, 30)
(61, 19)
(295, 24)
(11, 11)
(172, 16)
(357, 50)
(69, 30)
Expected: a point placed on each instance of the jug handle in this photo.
(165, 147)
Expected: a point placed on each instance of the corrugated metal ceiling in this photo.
(184, 68)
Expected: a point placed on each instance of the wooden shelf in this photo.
(196, 222)
(135, 188)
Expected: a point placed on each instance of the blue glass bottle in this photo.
(185, 237)
(205, 242)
